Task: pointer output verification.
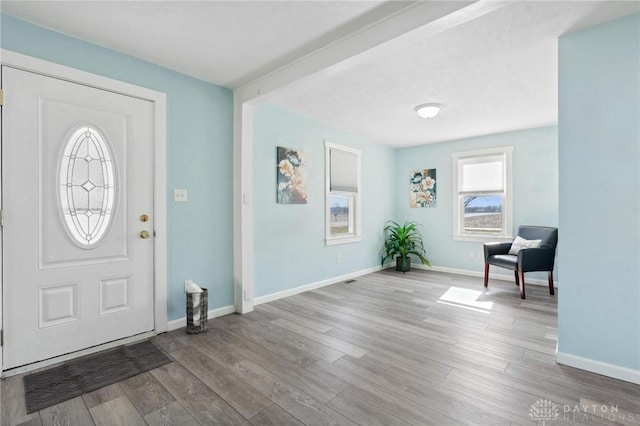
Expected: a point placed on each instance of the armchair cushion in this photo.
(520, 243)
(507, 261)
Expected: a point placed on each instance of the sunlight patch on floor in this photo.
(465, 298)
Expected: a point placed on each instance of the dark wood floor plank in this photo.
(227, 385)
(200, 401)
(173, 414)
(466, 391)
(423, 395)
(117, 412)
(501, 350)
(604, 409)
(417, 349)
(369, 315)
(309, 383)
(298, 404)
(534, 330)
(363, 412)
(569, 389)
(255, 316)
(298, 319)
(102, 395)
(36, 421)
(274, 416)
(71, 412)
(340, 315)
(332, 342)
(146, 393)
(509, 402)
(380, 341)
(420, 367)
(270, 331)
(216, 348)
(296, 355)
(547, 364)
(515, 397)
(405, 409)
(219, 333)
(13, 408)
(455, 322)
(328, 294)
(227, 349)
(172, 341)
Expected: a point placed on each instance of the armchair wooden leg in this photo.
(486, 274)
(517, 278)
(551, 290)
(521, 276)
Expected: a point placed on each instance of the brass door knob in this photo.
(144, 234)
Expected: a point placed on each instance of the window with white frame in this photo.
(482, 198)
(342, 187)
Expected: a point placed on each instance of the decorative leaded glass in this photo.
(86, 186)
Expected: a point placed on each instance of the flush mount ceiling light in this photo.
(428, 110)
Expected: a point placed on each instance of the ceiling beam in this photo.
(429, 17)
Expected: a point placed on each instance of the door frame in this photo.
(158, 99)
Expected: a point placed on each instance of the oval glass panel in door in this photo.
(86, 186)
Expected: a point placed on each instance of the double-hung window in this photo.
(342, 187)
(482, 198)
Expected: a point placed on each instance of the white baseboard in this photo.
(599, 367)
(466, 272)
(212, 313)
(313, 286)
(225, 310)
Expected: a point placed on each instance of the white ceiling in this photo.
(225, 42)
(495, 72)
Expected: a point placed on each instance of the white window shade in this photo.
(344, 171)
(483, 174)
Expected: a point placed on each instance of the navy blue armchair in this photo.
(534, 249)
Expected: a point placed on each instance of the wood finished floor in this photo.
(387, 349)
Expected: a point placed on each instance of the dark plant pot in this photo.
(407, 264)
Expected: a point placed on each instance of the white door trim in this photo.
(28, 63)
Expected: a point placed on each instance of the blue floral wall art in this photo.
(422, 188)
(292, 176)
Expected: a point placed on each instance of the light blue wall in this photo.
(199, 155)
(535, 202)
(289, 244)
(599, 158)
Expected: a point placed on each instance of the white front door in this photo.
(77, 173)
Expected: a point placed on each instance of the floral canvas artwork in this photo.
(292, 177)
(422, 188)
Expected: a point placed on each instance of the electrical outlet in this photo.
(470, 254)
(180, 195)
(339, 258)
(480, 254)
(246, 295)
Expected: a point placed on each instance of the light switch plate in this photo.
(179, 195)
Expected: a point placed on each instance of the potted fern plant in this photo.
(402, 241)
